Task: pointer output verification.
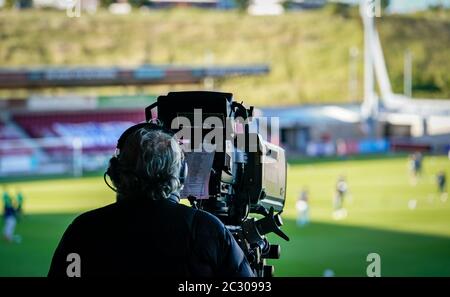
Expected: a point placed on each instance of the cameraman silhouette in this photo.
(147, 232)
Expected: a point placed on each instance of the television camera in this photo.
(244, 182)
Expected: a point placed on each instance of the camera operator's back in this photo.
(150, 238)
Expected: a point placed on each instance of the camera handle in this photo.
(193, 201)
(258, 248)
(255, 230)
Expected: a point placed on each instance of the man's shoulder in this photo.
(208, 224)
(206, 217)
(104, 212)
(108, 213)
(200, 217)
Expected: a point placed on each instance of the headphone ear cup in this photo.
(113, 170)
(183, 172)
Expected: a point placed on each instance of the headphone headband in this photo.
(113, 168)
(132, 129)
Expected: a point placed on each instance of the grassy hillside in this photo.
(308, 51)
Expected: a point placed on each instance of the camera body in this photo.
(240, 172)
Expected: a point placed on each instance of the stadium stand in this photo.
(42, 124)
(98, 130)
(53, 141)
(13, 136)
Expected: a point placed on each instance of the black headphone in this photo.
(113, 170)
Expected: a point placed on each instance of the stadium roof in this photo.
(314, 114)
(46, 77)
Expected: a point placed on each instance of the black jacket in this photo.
(163, 238)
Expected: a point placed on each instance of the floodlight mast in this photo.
(369, 107)
(375, 68)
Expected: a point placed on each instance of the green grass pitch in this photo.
(410, 241)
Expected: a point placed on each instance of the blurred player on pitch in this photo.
(9, 218)
(302, 207)
(340, 193)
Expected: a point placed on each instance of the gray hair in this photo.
(150, 164)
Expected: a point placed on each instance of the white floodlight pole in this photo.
(369, 107)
